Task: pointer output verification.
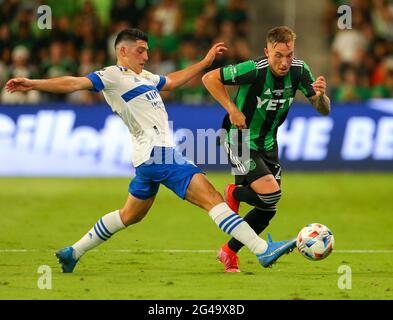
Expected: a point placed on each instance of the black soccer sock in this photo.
(258, 219)
(246, 194)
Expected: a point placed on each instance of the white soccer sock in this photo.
(102, 231)
(233, 224)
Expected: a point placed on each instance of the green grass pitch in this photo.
(171, 253)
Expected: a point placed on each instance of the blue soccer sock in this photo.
(101, 231)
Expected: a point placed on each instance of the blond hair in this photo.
(282, 34)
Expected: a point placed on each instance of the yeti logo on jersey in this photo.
(272, 104)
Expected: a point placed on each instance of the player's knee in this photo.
(129, 217)
(265, 184)
(268, 200)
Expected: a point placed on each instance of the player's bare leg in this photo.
(266, 184)
(133, 211)
(202, 193)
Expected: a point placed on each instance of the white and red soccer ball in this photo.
(315, 241)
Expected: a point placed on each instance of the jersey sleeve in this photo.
(306, 81)
(104, 79)
(158, 80)
(242, 73)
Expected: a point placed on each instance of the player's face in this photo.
(136, 55)
(280, 57)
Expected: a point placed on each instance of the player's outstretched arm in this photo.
(213, 84)
(66, 84)
(178, 78)
(320, 101)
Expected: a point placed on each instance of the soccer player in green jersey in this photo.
(267, 87)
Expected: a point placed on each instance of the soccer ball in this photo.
(315, 241)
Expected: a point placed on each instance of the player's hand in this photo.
(319, 86)
(19, 84)
(238, 119)
(216, 50)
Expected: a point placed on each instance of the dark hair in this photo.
(280, 34)
(132, 34)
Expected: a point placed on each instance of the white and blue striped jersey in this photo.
(136, 99)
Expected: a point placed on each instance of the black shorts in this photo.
(259, 164)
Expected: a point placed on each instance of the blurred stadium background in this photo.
(46, 135)
(61, 137)
(358, 62)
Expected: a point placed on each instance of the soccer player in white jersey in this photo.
(133, 94)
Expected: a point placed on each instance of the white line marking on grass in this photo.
(18, 250)
(363, 251)
(162, 250)
(209, 251)
(170, 251)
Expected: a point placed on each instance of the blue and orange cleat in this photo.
(275, 250)
(66, 259)
(229, 198)
(228, 258)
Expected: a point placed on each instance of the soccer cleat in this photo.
(275, 250)
(229, 198)
(66, 259)
(229, 259)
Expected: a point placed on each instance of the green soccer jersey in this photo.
(264, 98)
